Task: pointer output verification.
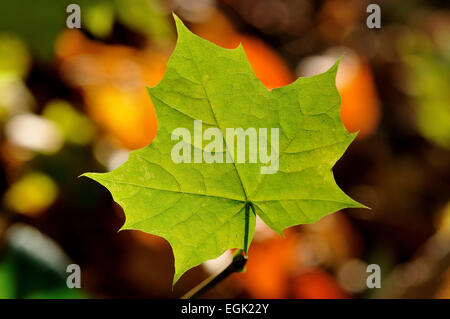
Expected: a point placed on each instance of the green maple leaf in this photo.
(203, 209)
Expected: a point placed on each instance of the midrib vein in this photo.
(215, 119)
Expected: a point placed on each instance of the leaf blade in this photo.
(203, 209)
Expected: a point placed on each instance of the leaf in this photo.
(204, 209)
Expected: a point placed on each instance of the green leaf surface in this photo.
(203, 209)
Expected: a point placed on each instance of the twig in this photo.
(236, 265)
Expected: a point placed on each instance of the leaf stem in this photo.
(236, 265)
(246, 230)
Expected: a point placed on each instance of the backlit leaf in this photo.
(203, 209)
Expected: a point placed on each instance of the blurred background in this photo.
(73, 101)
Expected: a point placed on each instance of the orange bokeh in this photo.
(268, 268)
(360, 109)
(112, 80)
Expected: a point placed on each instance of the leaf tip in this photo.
(279, 231)
(150, 89)
(353, 136)
(240, 47)
(176, 277)
(355, 204)
(93, 176)
(333, 69)
(89, 175)
(362, 206)
(178, 23)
